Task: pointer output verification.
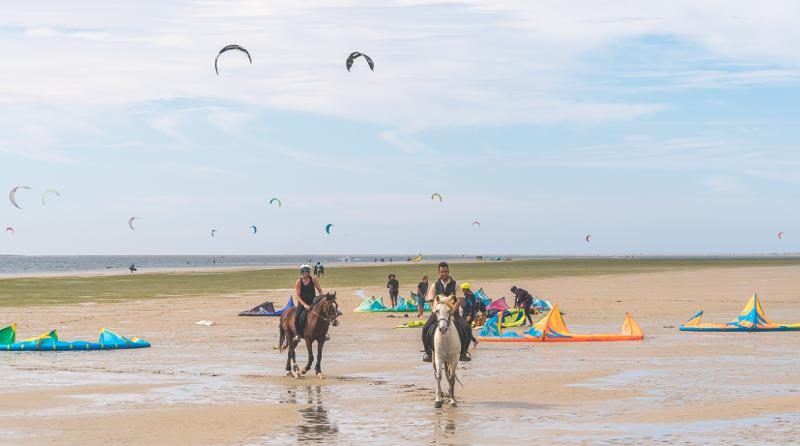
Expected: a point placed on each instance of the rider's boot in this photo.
(465, 357)
(427, 357)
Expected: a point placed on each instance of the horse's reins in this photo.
(326, 319)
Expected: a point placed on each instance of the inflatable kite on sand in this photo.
(752, 318)
(541, 306)
(375, 305)
(413, 324)
(552, 328)
(50, 341)
(267, 309)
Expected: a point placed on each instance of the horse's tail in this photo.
(450, 369)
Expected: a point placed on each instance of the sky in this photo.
(656, 127)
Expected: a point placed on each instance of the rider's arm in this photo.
(297, 300)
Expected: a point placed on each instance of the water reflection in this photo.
(444, 428)
(315, 425)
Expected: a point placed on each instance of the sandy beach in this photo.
(225, 384)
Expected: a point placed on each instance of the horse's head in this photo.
(330, 308)
(444, 308)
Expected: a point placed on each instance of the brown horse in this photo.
(324, 313)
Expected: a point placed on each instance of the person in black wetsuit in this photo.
(304, 295)
(524, 300)
(394, 289)
(470, 306)
(445, 286)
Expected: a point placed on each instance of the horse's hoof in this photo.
(453, 404)
(320, 375)
(437, 404)
(303, 372)
(289, 373)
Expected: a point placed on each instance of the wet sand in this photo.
(225, 384)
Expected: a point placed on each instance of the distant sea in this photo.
(89, 264)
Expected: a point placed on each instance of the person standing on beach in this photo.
(304, 296)
(524, 300)
(394, 289)
(445, 286)
(470, 306)
(316, 270)
(321, 271)
(422, 291)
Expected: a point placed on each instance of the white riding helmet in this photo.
(305, 267)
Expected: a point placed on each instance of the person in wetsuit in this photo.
(470, 307)
(445, 286)
(304, 295)
(394, 289)
(524, 300)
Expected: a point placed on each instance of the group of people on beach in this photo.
(469, 308)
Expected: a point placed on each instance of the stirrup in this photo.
(427, 357)
(296, 339)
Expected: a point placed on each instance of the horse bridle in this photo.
(326, 319)
(449, 317)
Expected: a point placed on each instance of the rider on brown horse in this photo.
(304, 295)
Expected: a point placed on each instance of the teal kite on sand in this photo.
(50, 342)
(375, 305)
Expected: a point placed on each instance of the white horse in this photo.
(446, 347)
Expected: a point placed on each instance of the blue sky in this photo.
(659, 129)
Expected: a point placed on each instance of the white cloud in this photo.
(405, 141)
(170, 125)
(726, 185)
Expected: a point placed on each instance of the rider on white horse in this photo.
(445, 286)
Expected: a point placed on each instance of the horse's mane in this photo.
(446, 301)
(321, 298)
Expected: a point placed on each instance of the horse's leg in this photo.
(293, 356)
(318, 368)
(437, 373)
(310, 348)
(451, 381)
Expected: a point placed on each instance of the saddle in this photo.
(460, 328)
(300, 320)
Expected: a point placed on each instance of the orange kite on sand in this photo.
(552, 328)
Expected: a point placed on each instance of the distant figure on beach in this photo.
(445, 286)
(394, 289)
(321, 271)
(422, 291)
(390, 260)
(316, 270)
(524, 300)
(132, 268)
